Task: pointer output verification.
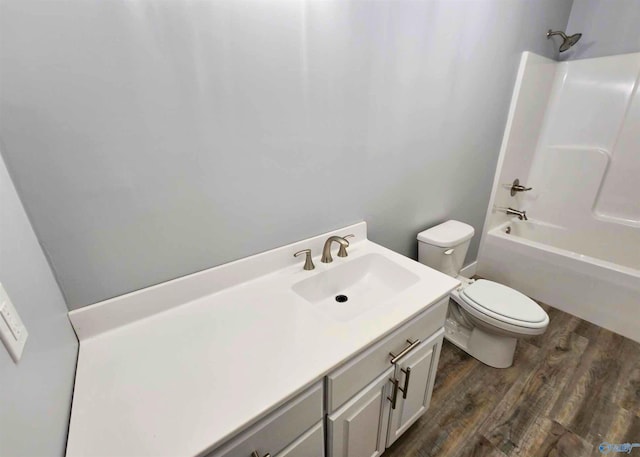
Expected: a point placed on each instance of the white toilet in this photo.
(485, 318)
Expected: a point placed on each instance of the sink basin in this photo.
(346, 291)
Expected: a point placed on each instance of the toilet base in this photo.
(494, 350)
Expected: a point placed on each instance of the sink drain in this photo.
(341, 298)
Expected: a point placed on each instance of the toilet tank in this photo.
(445, 246)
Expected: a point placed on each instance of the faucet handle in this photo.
(308, 263)
(516, 187)
(342, 252)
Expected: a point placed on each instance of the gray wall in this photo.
(608, 27)
(153, 139)
(35, 394)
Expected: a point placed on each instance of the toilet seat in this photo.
(499, 304)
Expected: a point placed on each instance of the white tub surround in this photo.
(572, 135)
(178, 368)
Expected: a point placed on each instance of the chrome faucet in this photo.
(342, 252)
(522, 215)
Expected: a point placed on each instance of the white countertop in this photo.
(182, 381)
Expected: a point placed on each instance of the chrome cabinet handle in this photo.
(342, 252)
(407, 375)
(405, 351)
(394, 396)
(255, 454)
(308, 263)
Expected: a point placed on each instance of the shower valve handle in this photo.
(516, 187)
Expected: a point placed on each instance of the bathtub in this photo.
(592, 274)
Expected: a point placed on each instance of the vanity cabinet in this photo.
(365, 404)
(293, 430)
(376, 413)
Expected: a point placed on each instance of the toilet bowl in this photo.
(485, 318)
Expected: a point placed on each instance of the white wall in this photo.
(608, 27)
(153, 139)
(35, 394)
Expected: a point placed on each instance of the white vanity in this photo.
(256, 358)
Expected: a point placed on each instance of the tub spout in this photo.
(522, 215)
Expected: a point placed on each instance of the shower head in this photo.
(567, 41)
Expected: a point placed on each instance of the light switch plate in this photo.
(12, 331)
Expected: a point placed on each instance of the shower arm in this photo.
(551, 33)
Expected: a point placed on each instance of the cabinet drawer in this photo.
(347, 380)
(281, 428)
(311, 444)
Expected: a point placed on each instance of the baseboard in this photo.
(470, 270)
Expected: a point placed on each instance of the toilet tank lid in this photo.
(447, 234)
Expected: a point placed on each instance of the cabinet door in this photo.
(416, 373)
(359, 428)
(310, 444)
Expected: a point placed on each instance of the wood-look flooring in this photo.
(568, 390)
